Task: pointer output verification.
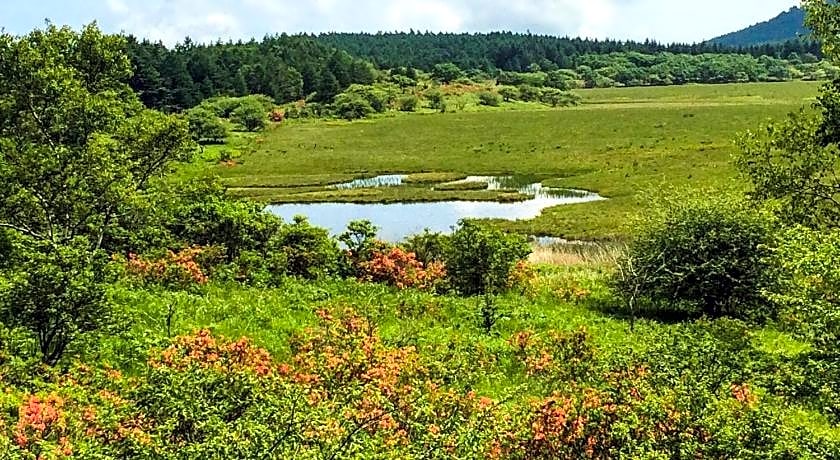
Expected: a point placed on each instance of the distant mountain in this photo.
(789, 25)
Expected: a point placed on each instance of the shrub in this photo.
(710, 255)
(529, 93)
(304, 109)
(399, 268)
(351, 106)
(561, 79)
(309, 251)
(516, 78)
(200, 213)
(251, 114)
(377, 97)
(360, 240)
(810, 307)
(480, 260)
(57, 294)
(178, 270)
(206, 127)
(408, 103)
(446, 72)
(557, 98)
(809, 279)
(437, 101)
(489, 98)
(509, 93)
(222, 106)
(428, 246)
(555, 355)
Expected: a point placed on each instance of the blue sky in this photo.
(207, 20)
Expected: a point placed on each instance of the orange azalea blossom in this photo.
(202, 349)
(744, 395)
(38, 418)
(401, 269)
(175, 267)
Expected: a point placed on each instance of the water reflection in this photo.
(399, 220)
(390, 180)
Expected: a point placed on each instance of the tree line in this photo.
(286, 68)
(517, 52)
(317, 68)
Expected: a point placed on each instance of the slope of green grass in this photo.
(445, 329)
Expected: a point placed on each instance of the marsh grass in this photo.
(433, 178)
(462, 186)
(385, 195)
(603, 254)
(619, 143)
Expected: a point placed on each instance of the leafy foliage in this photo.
(709, 254)
(489, 98)
(480, 260)
(206, 127)
(788, 163)
(309, 251)
(408, 103)
(795, 162)
(250, 114)
(428, 246)
(822, 17)
(58, 294)
(77, 145)
(352, 106)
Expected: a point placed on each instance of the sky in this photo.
(170, 21)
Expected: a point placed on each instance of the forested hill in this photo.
(317, 68)
(283, 67)
(509, 51)
(789, 25)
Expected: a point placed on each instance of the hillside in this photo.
(500, 50)
(787, 26)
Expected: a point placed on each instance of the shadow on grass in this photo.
(665, 314)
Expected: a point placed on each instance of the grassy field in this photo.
(444, 329)
(623, 143)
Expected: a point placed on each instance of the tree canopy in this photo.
(75, 142)
(794, 163)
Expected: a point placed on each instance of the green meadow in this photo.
(623, 143)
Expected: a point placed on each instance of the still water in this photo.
(398, 220)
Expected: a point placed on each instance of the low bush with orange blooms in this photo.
(277, 115)
(176, 269)
(555, 355)
(345, 392)
(400, 268)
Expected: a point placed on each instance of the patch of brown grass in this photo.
(576, 253)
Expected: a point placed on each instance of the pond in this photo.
(396, 221)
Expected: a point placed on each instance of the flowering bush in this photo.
(180, 269)
(277, 115)
(346, 393)
(399, 268)
(41, 419)
(556, 355)
(521, 277)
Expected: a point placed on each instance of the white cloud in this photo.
(170, 21)
(435, 14)
(665, 20)
(118, 6)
